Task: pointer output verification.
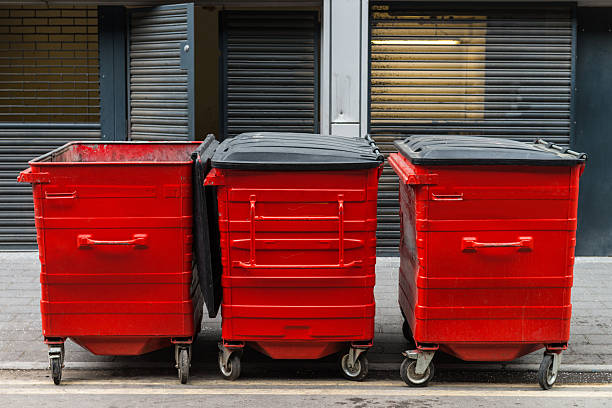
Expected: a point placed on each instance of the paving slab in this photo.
(21, 344)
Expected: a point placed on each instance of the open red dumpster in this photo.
(487, 249)
(114, 231)
(297, 221)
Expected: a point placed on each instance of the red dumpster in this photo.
(114, 231)
(487, 249)
(297, 220)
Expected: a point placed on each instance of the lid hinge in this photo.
(375, 149)
(561, 149)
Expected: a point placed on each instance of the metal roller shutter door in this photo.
(487, 70)
(18, 145)
(49, 95)
(270, 66)
(161, 73)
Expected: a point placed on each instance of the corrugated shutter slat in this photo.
(161, 73)
(490, 70)
(270, 70)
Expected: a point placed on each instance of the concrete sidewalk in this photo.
(21, 345)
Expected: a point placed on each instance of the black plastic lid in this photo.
(296, 151)
(206, 247)
(455, 150)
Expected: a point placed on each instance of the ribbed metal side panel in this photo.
(49, 95)
(161, 73)
(270, 72)
(466, 69)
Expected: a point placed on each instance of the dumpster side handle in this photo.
(253, 217)
(469, 244)
(138, 241)
(71, 195)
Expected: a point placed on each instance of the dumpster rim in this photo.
(41, 160)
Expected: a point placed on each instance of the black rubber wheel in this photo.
(233, 367)
(359, 370)
(410, 377)
(56, 370)
(183, 366)
(407, 332)
(546, 377)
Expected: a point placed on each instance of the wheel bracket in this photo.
(177, 351)
(422, 357)
(556, 362)
(353, 356)
(226, 354)
(56, 351)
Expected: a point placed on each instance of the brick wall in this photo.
(49, 64)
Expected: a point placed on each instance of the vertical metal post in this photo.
(188, 62)
(317, 86)
(364, 74)
(325, 65)
(113, 82)
(574, 56)
(345, 67)
(368, 68)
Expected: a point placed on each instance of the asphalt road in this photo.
(92, 389)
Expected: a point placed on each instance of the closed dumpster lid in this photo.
(296, 151)
(455, 150)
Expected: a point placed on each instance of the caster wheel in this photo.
(56, 370)
(233, 367)
(546, 375)
(410, 377)
(183, 366)
(408, 335)
(359, 371)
